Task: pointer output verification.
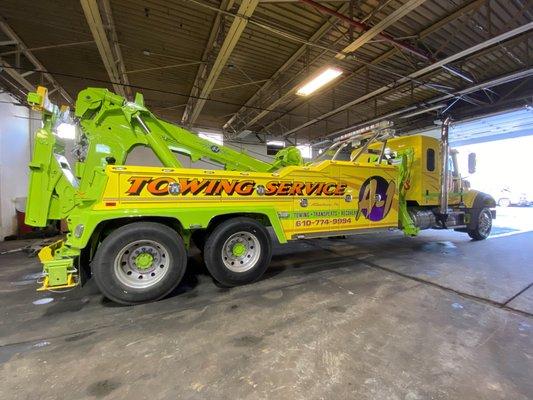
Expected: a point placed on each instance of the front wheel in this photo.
(139, 262)
(238, 251)
(483, 226)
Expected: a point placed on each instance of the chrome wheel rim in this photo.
(142, 264)
(485, 223)
(241, 251)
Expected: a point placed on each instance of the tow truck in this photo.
(131, 227)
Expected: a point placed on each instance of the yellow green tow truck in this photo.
(130, 227)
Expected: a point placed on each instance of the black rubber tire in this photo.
(479, 233)
(103, 262)
(216, 240)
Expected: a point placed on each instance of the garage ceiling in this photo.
(501, 125)
(235, 65)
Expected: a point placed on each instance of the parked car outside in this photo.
(509, 197)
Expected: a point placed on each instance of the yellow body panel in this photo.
(318, 200)
(424, 185)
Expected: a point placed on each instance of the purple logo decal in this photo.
(375, 198)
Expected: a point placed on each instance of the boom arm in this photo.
(111, 127)
(108, 119)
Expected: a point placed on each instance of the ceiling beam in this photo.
(480, 46)
(13, 73)
(521, 74)
(238, 85)
(96, 25)
(110, 22)
(10, 33)
(186, 64)
(201, 73)
(360, 41)
(375, 30)
(246, 9)
(40, 48)
(320, 32)
(473, 5)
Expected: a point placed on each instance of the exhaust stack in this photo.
(444, 176)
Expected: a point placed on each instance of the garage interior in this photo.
(377, 315)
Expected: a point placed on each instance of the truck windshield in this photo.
(355, 146)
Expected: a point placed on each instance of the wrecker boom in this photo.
(111, 127)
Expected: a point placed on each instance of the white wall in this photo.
(14, 159)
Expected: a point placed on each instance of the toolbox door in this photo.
(312, 203)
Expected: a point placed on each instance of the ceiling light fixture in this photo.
(318, 81)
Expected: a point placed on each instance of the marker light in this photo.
(317, 82)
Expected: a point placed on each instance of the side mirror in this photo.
(471, 163)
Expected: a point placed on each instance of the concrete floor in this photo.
(369, 317)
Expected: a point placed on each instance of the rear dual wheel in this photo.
(139, 262)
(238, 251)
(145, 261)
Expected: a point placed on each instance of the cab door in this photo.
(353, 176)
(316, 202)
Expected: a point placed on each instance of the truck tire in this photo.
(238, 251)
(139, 263)
(483, 226)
